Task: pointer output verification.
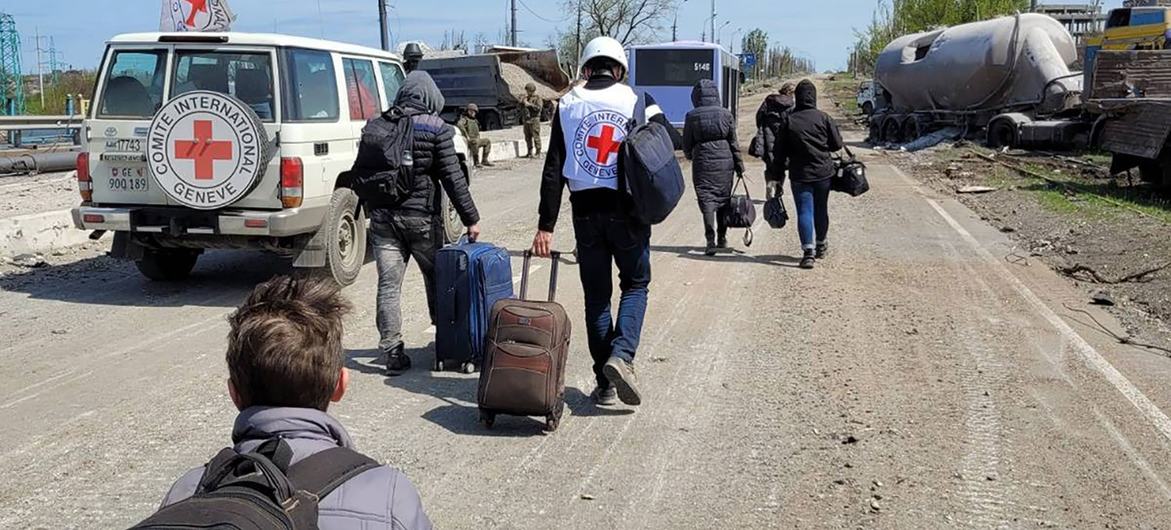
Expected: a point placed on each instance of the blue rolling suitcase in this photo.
(469, 279)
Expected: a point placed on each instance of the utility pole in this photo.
(713, 20)
(383, 32)
(40, 66)
(512, 38)
(675, 22)
(577, 40)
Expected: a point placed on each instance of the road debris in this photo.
(1103, 298)
(976, 189)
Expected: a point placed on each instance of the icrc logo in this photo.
(205, 149)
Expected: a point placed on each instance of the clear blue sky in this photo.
(818, 29)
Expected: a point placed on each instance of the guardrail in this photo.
(20, 123)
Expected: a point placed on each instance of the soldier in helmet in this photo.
(412, 54)
(471, 129)
(531, 117)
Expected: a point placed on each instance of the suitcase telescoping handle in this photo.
(524, 276)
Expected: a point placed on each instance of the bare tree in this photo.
(629, 21)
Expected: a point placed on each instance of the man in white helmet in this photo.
(590, 123)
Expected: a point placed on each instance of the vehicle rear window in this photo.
(134, 84)
(672, 67)
(1144, 17)
(392, 78)
(311, 87)
(361, 89)
(245, 76)
(1119, 18)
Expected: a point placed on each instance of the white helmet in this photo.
(607, 47)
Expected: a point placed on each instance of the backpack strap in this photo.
(323, 472)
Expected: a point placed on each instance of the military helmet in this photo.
(473, 108)
(530, 88)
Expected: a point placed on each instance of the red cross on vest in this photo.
(196, 7)
(604, 143)
(203, 150)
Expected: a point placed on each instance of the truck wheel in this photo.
(911, 130)
(1002, 133)
(1157, 172)
(892, 131)
(867, 108)
(345, 241)
(167, 265)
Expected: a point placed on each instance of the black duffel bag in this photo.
(851, 176)
(741, 212)
(774, 210)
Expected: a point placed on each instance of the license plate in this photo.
(129, 179)
(124, 145)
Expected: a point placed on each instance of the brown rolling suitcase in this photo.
(524, 358)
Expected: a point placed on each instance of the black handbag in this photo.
(851, 176)
(741, 212)
(774, 209)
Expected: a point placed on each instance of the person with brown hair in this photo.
(285, 366)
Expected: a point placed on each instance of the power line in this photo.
(534, 13)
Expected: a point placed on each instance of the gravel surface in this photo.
(45, 192)
(912, 380)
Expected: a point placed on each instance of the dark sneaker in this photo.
(605, 396)
(397, 362)
(807, 261)
(722, 243)
(621, 374)
(822, 250)
(488, 164)
(710, 250)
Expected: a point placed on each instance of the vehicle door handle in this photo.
(321, 149)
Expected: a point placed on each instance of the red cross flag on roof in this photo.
(196, 15)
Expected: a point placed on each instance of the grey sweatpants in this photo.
(396, 240)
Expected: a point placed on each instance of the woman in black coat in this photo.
(709, 141)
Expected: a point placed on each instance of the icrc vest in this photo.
(594, 123)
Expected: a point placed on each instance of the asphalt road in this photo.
(919, 377)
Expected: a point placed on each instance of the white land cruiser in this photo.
(232, 140)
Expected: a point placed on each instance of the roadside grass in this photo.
(843, 89)
(1094, 199)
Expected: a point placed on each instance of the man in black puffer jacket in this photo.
(412, 227)
(709, 141)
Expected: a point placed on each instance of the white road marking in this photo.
(1092, 358)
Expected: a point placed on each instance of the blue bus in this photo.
(669, 71)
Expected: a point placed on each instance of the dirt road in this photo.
(914, 379)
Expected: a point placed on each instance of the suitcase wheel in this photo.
(551, 423)
(487, 418)
(468, 368)
(438, 365)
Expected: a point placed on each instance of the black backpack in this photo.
(382, 170)
(259, 490)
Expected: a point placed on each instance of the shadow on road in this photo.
(460, 415)
(220, 279)
(732, 255)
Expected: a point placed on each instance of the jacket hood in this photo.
(705, 94)
(419, 92)
(777, 104)
(262, 423)
(806, 95)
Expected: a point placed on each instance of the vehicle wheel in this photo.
(438, 365)
(551, 423)
(1157, 172)
(167, 265)
(867, 108)
(1002, 133)
(892, 131)
(875, 137)
(345, 237)
(468, 368)
(911, 130)
(453, 227)
(487, 418)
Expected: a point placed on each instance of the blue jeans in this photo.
(812, 199)
(604, 240)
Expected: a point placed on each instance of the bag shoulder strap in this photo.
(849, 153)
(740, 181)
(323, 472)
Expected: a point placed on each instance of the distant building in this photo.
(1081, 20)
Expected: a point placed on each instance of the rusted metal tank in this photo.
(1010, 62)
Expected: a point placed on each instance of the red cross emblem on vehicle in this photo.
(604, 144)
(203, 150)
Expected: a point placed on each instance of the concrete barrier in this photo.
(39, 233)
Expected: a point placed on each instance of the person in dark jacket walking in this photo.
(770, 118)
(806, 147)
(709, 141)
(412, 228)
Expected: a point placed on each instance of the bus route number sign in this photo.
(703, 67)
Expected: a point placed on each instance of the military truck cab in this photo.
(201, 141)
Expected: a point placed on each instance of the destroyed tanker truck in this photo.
(495, 83)
(1009, 76)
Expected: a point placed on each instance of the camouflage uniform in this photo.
(471, 128)
(530, 113)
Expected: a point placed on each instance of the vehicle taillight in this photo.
(85, 184)
(292, 179)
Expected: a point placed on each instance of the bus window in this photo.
(1118, 18)
(1146, 17)
(655, 67)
